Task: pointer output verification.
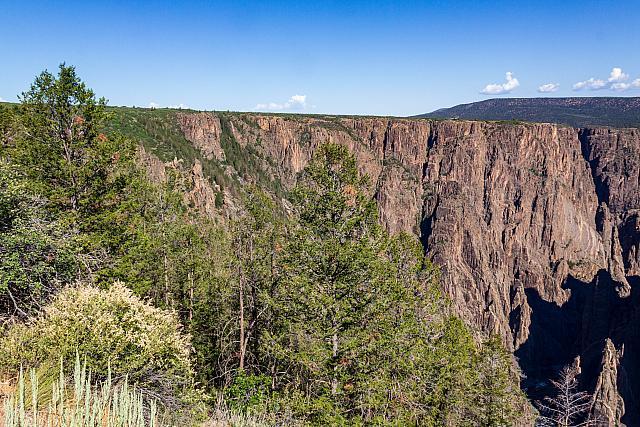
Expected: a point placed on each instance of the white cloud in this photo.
(2, 99)
(592, 84)
(548, 87)
(507, 87)
(296, 102)
(617, 81)
(617, 75)
(620, 87)
(178, 106)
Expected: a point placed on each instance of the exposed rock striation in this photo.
(204, 131)
(608, 406)
(536, 227)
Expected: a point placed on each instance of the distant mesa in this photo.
(575, 112)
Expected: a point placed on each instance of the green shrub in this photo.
(248, 391)
(114, 330)
(37, 252)
(219, 200)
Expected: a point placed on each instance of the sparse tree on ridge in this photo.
(569, 407)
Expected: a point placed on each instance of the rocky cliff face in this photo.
(608, 406)
(204, 131)
(536, 227)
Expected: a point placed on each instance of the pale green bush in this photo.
(109, 328)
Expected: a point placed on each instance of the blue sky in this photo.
(343, 57)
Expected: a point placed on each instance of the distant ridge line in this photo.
(572, 111)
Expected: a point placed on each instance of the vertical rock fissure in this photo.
(586, 150)
(428, 212)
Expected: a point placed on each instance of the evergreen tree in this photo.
(333, 270)
(63, 143)
(37, 257)
(255, 241)
(362, 332)
(81, 175)
(499, 398)
(8, 127)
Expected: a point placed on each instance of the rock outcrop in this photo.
(199, 191)
(608, 406)
(536, 227)
(204, 131)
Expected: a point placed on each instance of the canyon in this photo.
(535, 227)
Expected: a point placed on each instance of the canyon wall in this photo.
(536, 227)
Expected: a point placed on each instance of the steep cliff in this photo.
(536, 227)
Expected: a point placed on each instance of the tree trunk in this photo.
(74, 181)
(166, 278)
(242, 338)
(334, 380)
(190, 297)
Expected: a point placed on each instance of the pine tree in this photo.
(498, 396)
(256, 237)
(362, 333)
(332, 274)
(64, 144)
(81, 175)
(36, 255)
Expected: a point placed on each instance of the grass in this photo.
(80, 404)
(225, 416)
(30, 402)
